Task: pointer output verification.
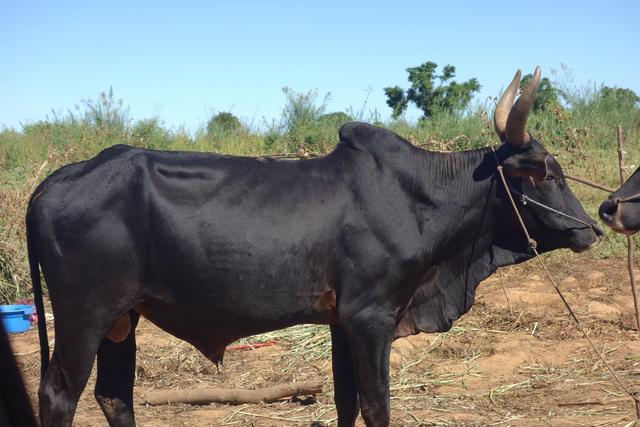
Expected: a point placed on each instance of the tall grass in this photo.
(582, 136)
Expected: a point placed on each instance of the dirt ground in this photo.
(515, 359)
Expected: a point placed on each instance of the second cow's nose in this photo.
(608, 210)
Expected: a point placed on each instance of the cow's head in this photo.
(621, 211)
(531, 170)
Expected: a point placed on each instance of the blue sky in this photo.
(184, 61)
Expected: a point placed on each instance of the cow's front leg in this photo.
(345, 389)
(370, 333)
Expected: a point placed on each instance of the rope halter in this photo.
(524, 199)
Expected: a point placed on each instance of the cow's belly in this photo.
(230, 272)
(211, 327)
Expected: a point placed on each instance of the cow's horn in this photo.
(504, 106)
(516, 130)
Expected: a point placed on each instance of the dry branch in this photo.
(233, 396)
(589, 183)
(595, 402)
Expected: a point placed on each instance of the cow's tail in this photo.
(37, 291)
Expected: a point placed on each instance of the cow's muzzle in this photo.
(610, 213)
(595, 239)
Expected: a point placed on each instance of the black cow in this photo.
(621, 211)
(378, 239)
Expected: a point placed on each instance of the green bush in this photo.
(150, 134)
(223, 123)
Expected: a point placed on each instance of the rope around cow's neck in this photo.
(532, 245)
(631, 198)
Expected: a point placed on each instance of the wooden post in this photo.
(620, 153)
(632, 276)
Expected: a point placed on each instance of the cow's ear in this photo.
(527, 164)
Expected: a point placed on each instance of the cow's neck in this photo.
(471, 211)
(462, 192)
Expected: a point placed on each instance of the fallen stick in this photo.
(233, 396)
(595, 402)
(251, 346)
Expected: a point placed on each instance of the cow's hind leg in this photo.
(344, 380)
(69, 369)
(116, 371)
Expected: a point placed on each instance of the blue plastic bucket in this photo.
(16, 318)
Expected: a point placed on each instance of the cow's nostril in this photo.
(608, 209)
(611, 207)
(598, 231)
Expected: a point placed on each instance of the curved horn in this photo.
(516, 130)
(504, 106)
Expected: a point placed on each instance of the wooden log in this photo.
(233, 396)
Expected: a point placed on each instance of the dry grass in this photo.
(437, 379)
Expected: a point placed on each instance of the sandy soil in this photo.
(515, 359)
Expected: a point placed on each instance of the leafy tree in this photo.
(396, 100)
(431, 92)
(223, 122)
(548, 95)
(624, 99)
